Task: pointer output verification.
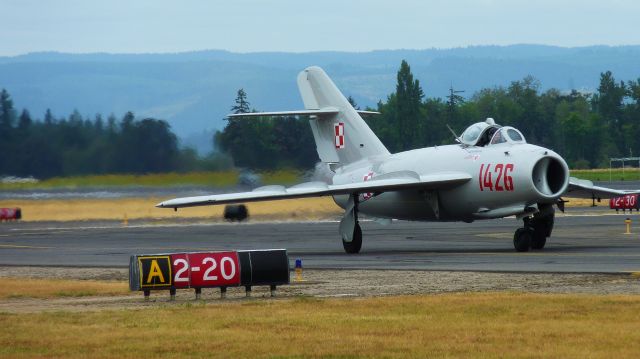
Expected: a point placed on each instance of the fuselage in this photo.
(506, 179)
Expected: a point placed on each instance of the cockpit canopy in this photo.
(488, 133)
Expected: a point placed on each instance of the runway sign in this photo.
(202, 270)
(268, 267)
(629, 201)
(155, 271)
(8, 214)
(208, 269)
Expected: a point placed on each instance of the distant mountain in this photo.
(194, 90)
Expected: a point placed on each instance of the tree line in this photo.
(266, 143)
(585, 128)
(76, 145)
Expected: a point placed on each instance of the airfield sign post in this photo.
(197, 270)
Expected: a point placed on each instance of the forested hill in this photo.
(192, 91)
(586, 128)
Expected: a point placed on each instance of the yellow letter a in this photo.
(155, 271)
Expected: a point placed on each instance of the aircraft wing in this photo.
(580, 188)
(387, 182)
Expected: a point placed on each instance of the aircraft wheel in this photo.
(354, 246)
(542, 228)
(539, 239)
(522, 239)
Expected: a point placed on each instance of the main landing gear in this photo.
(354, 246)
(535, 231)
(350, 230)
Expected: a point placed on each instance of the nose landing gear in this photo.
(535, 231)
(542, 227)
(522, 239)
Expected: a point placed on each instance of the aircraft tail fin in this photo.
(341, 136)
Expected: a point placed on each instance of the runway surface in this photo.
(580, 243)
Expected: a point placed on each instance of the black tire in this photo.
(522, 239)
(354, 246)
(539, 238)
(549, 226)
(542, 228)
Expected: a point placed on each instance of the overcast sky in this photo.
(140, 26)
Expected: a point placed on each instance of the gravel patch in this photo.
(323, 284)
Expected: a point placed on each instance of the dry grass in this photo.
(52, 288)
(584, 202)
(137, 208)
(316, 208)
(491, 325)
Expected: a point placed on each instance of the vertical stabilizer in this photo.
(341, 137)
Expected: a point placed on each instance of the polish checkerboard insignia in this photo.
(368, 176)
(339, 134)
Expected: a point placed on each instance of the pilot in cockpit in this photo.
(497, 138)
(487, 136)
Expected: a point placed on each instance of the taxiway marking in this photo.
(19, 246)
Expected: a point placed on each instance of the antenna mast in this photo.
(454, 99)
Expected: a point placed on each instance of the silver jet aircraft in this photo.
(492, 172)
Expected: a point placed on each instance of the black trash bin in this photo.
(236, 212)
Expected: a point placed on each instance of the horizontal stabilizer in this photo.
(319, 112)
(388, 182)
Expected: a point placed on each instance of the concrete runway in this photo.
(580, 243)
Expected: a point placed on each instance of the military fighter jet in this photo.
(491, 172)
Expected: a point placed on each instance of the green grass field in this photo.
(212, 179)
(603, 174)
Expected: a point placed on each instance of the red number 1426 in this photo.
(496, 178)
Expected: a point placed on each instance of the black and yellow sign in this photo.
(155, 271)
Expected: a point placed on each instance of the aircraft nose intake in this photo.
(550, 176)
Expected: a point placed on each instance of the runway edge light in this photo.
(298, 270)
(627, 222)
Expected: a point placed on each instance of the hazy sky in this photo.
(136, 26)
